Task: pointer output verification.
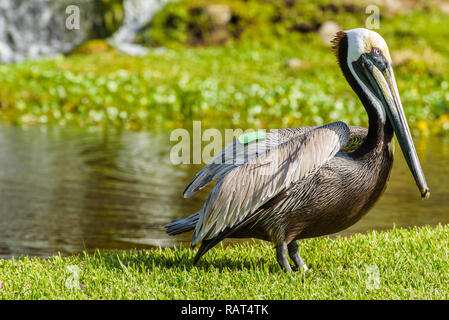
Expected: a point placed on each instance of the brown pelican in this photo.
(297, 183)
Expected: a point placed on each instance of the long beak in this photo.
(384, 87)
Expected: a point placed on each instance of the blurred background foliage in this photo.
(234, 63)
(111, 13)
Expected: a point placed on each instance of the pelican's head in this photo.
(365, 61)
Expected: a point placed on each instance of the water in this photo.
(67, 189)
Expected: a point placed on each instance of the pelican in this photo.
(290, 184)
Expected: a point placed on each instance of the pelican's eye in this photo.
(376, 51)
(378, 59)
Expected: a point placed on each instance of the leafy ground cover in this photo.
(245, 83)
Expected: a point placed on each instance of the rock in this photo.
(137, 14)
(7, 55)
(294, 63)
(30, 29)
(444, 7)
(217, 37)
(131, 49)
(327, 32)
(219, 16)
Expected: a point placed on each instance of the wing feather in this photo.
(246, 187)
(235, 154)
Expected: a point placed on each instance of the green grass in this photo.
(412, 264)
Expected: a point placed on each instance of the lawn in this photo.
(395, 264)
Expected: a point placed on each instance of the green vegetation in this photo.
(95, 46)
(245, 83)
(112, 14)
(244, 86)
(411, 264)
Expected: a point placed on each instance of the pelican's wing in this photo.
(238, 194)
(356, 138)
(237, 153)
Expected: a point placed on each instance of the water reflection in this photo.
(66, 189)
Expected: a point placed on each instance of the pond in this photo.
(68, 189)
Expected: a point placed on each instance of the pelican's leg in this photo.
(294, 255)
(281, 256)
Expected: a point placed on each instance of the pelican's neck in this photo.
(380, 131)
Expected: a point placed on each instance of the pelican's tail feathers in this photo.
(182, 225)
